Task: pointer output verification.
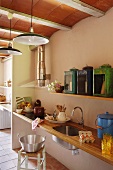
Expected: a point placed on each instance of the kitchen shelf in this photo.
(84, 96)
(30, 84)
(4, 87)
(6, 106)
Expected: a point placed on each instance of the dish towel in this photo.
(36, 122)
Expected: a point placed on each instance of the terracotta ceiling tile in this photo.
(104, 5)
(19, 5)
(6, 3)
(90, 2)
(22, 26)
(1, 34)
(74, 18)
(6, 35)
(4, 22)
(60, 13)
(44, 30)
(3, 43)
(51, 10)
(44, 7)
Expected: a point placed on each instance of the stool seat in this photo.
(31, 154)
(40, 156)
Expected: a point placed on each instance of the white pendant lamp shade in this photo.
(31, 39)
(9, 50)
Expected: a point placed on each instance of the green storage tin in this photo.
(103, 81)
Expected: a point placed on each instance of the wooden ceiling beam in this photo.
(37, 20)
(81, 6)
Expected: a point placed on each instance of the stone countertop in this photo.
(91, 148)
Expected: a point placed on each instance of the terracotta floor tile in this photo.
(13, 168)
(5, 138)
(1, 148)
(9, 150)
(13, 155)
(4, 158)
(5, 142)
(6, 146)
(15, 161)
(8, 157)
(7, 165)
(2, 153)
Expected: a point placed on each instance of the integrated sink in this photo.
(68, 131)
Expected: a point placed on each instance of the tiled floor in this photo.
(8, 157)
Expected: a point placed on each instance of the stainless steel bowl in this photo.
(32, 143)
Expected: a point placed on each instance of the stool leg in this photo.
(19, 160)
(26, 162)
(44, 157)
(38, 161)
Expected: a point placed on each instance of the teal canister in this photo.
(70, 81)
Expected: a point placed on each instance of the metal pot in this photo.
(104, 124)
(32, 143)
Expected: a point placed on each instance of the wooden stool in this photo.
(40, 156)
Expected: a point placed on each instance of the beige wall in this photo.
(89, 42)
(23, 72)
(1, 76)
(7, 76)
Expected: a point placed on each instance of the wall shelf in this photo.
(84, 96)
(4, 87)
(30, 84)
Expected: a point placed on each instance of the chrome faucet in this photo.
(82, 119)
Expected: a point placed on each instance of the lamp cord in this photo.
(10, 29)
(31, 11)
(10, 44)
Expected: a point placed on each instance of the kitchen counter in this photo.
(5, 106)
(91, 148)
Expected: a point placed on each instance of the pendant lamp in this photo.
(31, 38)
(9, 50)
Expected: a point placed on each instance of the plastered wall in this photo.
(89, 42)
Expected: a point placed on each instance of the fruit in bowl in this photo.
(28, 108)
